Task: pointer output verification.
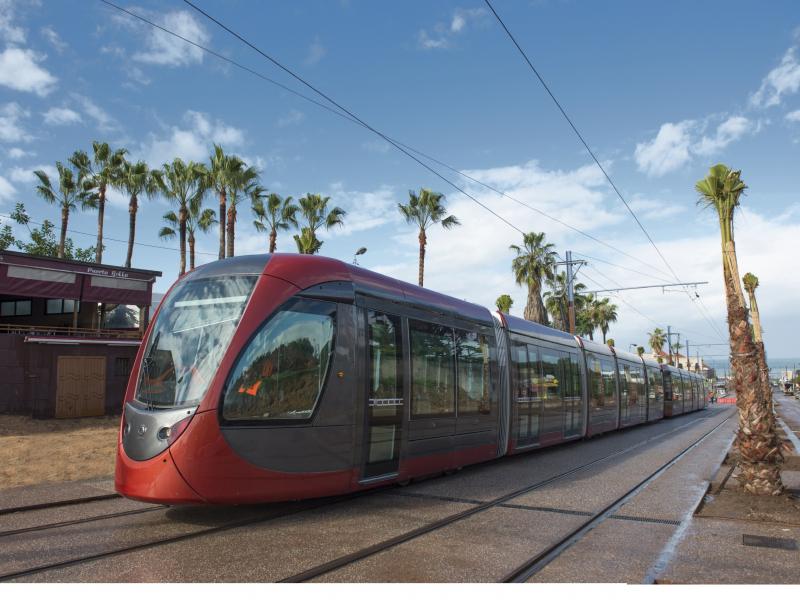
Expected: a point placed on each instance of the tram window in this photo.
(472, 355)
(677, 387)
(572, 375)
(656, 385)
(595, 381)
(385, 359)
(281, 373)
(432, 370)
(625, 382)
(609, 373)
(551, 380)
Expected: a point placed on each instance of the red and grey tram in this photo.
(282, 377)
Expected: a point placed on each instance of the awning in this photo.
(44, 277)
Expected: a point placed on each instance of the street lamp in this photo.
(358, 253)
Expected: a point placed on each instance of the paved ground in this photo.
(628, 546)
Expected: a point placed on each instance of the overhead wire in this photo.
(342, 115)
(587, 147)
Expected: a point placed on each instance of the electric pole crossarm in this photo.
(644, 287)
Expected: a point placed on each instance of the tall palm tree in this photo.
(241, 184)
(99, 173)
(757, 440)
(585, 318)
(556, 300)
(504, 303)
(181, 183)
(276, 214)
(197, 219)
(136, 179)
(750, 284)
(535, 261)
(222, 171)
(656, 339)
(423, 210)
(315, 216)
(69, 194)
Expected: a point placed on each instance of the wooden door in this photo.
(81, 386)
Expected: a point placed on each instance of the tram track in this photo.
(540, 560)
(306, 575)
(80, 521)
(359, 555)
(57, 504)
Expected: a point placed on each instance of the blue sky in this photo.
(660, 90)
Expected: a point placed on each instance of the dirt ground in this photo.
(37, 451)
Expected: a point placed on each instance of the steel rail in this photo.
(538, 562)
(57, 504)
(58, 524)
(392, 542)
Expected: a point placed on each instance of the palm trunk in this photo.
(223, 201)
(273, 240)
(604, 332)
(230, 230)
(182, 216)
(64, 220)
(133, 206)
(534, 309)
(761, 353)
(101, 210)
(191, 251)
(757, 442)
(423, 240)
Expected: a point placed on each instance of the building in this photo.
(69, 332)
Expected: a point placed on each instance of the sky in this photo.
(660, 91)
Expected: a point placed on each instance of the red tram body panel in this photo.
(281, 377)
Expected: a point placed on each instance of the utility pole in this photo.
(688, 357)
(669, 342)
(678, 349)
(568, 262)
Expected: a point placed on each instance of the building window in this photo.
(432, 370)
(60, 306)
(282, 372)
(15, 308)
(122, 366)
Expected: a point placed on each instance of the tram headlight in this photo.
(171, 433)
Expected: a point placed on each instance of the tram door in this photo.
(384, 410)
(528, 401)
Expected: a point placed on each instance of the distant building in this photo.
(69, 332)
(694, 364)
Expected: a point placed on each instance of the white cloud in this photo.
(316, 52)
(10, 128)
(444, 33)
(727, 132)
(20, 70)
(17, 153)
(61, 116)
(167, 50)
(25, 175)
(793, 116)
(7, 191)
(292, 118)
(51, 35)
(8, 31)
(194, 142)
(780, 81)
(668, 151)
(676, 144)
(104, 121)
(365, 210)
(654, 209)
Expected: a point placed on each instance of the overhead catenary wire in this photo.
(590, 151)
(396, 141)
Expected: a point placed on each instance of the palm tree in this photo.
(222, 172)
(606, 313)
(504, 303)
(757, 441)
(585, 321)
(423, 210)
(69, 194)
(243, 181)
(276, 214)
(640, 350)
(181, 183)
(315, 214)
(534, 261)
(656, 340)
(136, 179)
(556, 300)
(197, 219)
(100, 172)
(750, 284)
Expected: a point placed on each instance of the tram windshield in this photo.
(189, 339)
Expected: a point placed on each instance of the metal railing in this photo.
(83, 332)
